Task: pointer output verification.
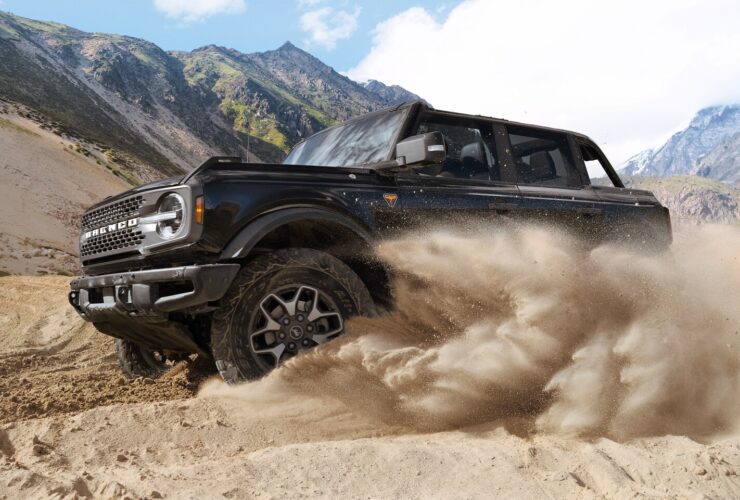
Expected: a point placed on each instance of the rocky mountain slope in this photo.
(87, 115)
(280, 96)
(392, 93)
(160, 113)
(692, 199)
(722, 162)
(708, 147)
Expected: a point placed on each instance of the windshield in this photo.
(358, 142)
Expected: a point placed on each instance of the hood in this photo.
(170, 181)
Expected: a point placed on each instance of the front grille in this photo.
(123, 230)
(117, 240)
(115, 212)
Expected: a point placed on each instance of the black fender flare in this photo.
(242, 244)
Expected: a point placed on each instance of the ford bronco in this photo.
(249, 264)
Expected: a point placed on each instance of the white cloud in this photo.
(626, 73)
(326, 26)
(196, 10)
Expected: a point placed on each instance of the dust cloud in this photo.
(534, 330)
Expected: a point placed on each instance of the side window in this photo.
(471, 153)
(542, 158)
(595, 167)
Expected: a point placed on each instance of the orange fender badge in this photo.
(390, 199)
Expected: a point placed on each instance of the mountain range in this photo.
(155, 113)
(696, 172)
(708, 147)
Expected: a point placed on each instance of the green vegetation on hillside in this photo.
(246, 120)
(13, 126)
(252, 102)
(161, 108)
(7, 32)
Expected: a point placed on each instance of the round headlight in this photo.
(171, 209)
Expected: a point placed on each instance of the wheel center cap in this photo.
(296, 332)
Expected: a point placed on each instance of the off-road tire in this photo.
(135, 361)
(230, 326)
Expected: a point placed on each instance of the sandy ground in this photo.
(53, 363)
(46, 186)
(71, 427)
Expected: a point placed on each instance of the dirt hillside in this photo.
(48, 181)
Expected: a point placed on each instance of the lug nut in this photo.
(309, 328)
(305, 342)
(291, 346)
(286, 321)
(300, 317)
(281, 335)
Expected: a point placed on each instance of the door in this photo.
(553, 189)
(471, 185)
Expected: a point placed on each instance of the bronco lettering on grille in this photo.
(111, 228)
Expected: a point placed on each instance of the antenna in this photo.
(247, 147)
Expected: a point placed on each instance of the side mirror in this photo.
(422, 149)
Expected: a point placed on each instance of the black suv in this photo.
(249, 264)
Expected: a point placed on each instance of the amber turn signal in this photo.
(199, 210)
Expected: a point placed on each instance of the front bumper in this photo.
(135, 305)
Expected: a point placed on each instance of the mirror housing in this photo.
(416, 151)
(422, 149)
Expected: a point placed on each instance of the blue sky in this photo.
(257, 26)
(626, 72)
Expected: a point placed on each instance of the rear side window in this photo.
(542, 158)
(595, 167)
